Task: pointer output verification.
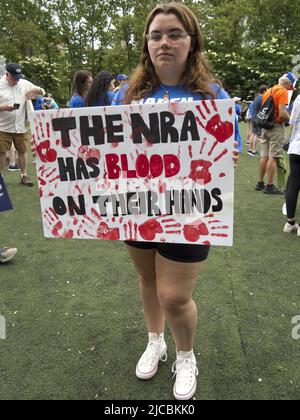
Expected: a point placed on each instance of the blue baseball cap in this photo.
(122, 77)
(15, 70)
(292, 78)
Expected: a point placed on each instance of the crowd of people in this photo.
(172, 66)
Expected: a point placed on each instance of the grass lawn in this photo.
(75, 327)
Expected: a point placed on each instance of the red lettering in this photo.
(172, 165)
(142, 166)
(114, 170)
(124, 164)
(117, 166)
(156, 166)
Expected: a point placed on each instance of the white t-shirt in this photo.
(294, 148)
(14, 122)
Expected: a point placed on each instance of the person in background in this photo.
(80, 86)
(238, 108)
(15, 95)
(101, 90)
(273, 140)
(294, 179)
(256, 131)
(49, 102)
(248, 119)
(122, 80)
(38, 104)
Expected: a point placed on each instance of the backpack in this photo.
(265, 117)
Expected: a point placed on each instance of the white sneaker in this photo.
(291, 228)
(156, 350)
(7, 254)
(284, 209)
(185, 369)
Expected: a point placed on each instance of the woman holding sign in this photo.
(172, 68)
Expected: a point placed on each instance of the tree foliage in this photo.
(248, 42)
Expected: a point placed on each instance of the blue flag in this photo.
(5, 203)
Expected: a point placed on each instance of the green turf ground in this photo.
(75, 327)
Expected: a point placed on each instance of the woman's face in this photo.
(112, 86)
(168, 43)
(88, 83)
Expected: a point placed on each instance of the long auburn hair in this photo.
(78, 83)
(198, 75)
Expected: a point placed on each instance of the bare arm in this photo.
(7, 108)
(284, 115)
(34, 92)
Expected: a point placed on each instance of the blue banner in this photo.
(5, 203)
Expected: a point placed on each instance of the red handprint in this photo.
(43, 149)
(105, 232)
(150, 229)
(46, 154)
(220, 130)
(86, 152)
(192, 232)
(200, 171)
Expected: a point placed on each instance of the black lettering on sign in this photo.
(140, 129)
(64, 125)
(96, 130)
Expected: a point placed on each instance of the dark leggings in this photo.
(294, 186)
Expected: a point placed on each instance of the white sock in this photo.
(155, 337)
(185, 354)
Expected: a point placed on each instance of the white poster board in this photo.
(161, 173)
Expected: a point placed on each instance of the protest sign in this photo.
(161, 172)
(5, 203)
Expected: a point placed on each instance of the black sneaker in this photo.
(271, 189)
(260, 186)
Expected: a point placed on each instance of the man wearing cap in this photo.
(14, 94)
(273, 139)
(122, 80)
(119, 91)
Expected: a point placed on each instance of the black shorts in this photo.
(184, 253)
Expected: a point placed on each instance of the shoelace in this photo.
(152, 352)
(181, 364)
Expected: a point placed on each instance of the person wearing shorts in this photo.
(273, 139)
(256, 130)
(14, 94)
(172, 68)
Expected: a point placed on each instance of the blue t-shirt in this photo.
(180, 93)
(238, 110)
(105, 99)
(118, 98)
(76, 101)
(38, 105)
